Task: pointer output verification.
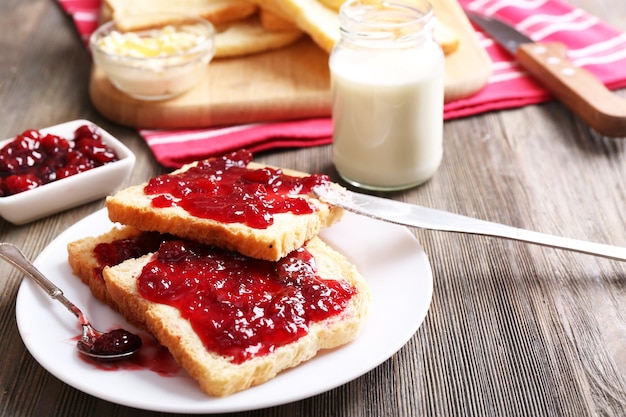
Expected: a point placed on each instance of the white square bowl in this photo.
(74, 190)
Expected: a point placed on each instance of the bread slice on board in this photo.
(320, 20)
(217, 374)
(215, 11)
(289, 231)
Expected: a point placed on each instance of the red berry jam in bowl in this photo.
(34, 158)
(49, 170)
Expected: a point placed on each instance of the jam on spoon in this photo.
(116, 344)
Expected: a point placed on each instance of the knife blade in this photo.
(432, 219)
(578, 89)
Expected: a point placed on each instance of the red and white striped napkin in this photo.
(592, 44)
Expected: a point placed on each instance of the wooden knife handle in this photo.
(575, 87)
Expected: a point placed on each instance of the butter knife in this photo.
(575, 87)
(431, 219)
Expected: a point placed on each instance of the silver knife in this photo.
(575, 87)
(431, 219)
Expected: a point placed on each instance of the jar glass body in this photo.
(387, 85)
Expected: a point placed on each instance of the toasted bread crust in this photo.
(320, 20)
(132, 207)
(86, 266)
(216, 374)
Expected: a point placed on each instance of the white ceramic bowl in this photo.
(171, 72)
(71, 191)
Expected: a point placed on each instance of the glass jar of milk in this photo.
(387, 84)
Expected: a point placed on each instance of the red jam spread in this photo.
(33, 158)
(117, 251)
(223, 189)
(115, 342)
(242, 307)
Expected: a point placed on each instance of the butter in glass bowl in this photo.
(158, 62)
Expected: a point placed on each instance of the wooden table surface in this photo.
(513, 329)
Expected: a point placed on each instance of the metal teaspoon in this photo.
(113, 345)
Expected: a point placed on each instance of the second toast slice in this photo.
(230, 202)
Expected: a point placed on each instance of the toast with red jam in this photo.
(232, 321)
(88, 256)
(230, 202)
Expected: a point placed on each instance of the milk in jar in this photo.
(387, 83)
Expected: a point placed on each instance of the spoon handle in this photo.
(13, 255)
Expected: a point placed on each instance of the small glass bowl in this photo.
(159, 73)
(74, 190)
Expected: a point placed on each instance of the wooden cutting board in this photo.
(290, 83)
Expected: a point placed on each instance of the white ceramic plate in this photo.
(388, 256)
